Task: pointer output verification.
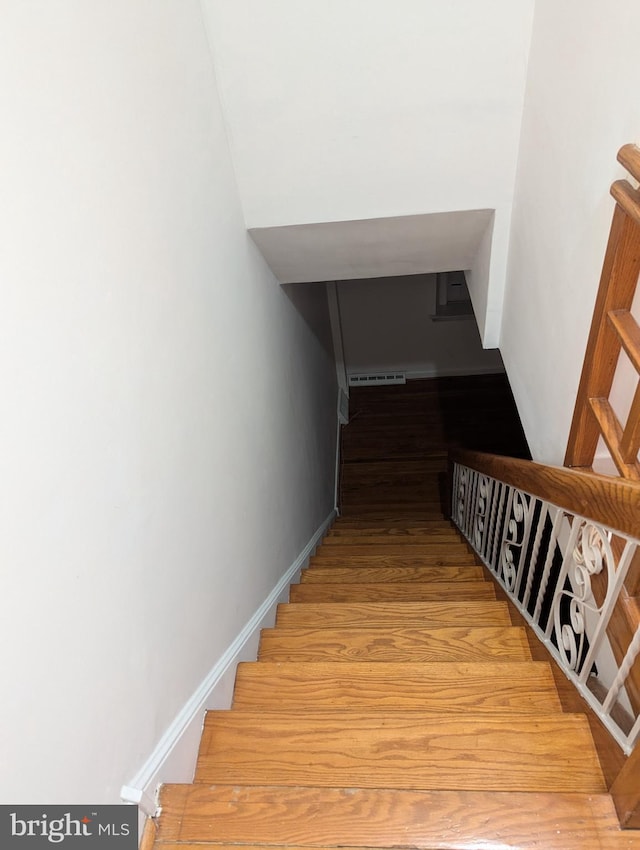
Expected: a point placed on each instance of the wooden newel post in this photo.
(625, 792)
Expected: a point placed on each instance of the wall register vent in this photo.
(377, 378)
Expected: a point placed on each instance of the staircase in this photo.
(397, 702)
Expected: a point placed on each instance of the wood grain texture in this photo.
(394, 644)
(296, 818)
(625, 792)
(601, 498)
(376, 560)
(628, 332)
(632, 581)
(612, 434)
(149, 835)
(360, 575)
(380, 469)
(402, 550)
(427, 538)
(609, 753)
(629, 157)
(627, 199)
(618, 282)
(409, 750)
(394, 614)
(392, 514)
(396, 526)
(630, 441)
(451, 688)
(394, 533)
(414, 503)
(387, 592)
(404, 695)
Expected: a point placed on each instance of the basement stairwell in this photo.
(401, 700)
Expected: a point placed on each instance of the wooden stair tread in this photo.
(358, 575)
(406, 550)
(410, 750)
(437, 462)
(439, 687)
(442, 560)
(396, 497)
(428, 538)
(394, 644)
(385, 591)
(399, 614)
(398, 526)
(422, 484)
(248, 818)
(421, 507)
(395, 533)
(417, 481)
(390, 513)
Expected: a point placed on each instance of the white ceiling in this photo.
(374, 247)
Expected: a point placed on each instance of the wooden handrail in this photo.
(627, 198)
(629, 156)
(612, 329)
(614, 502)
(611, 501)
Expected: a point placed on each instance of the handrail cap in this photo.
(608, 500)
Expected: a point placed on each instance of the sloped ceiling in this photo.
(375, 247)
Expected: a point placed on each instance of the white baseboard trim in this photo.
(452, 373)
(336, 479)
(174, 757)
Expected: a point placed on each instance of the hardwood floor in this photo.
(395, 704)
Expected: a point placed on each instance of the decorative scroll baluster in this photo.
(495, 485)
(524, 546)
(497, 566)
(551, 551)
(497, 537)
(542, 519)
(471, 514)
(516, 537)
(483, 491)
(614, 586)
(548, 556)
(554, 623)
(623, 672)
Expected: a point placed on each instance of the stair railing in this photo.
(560, 543)
(613, 330)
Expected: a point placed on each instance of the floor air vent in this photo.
(377, 379)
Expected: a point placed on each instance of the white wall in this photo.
(386, 325)
(344, 110)
(580, 108)
(168, 410)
